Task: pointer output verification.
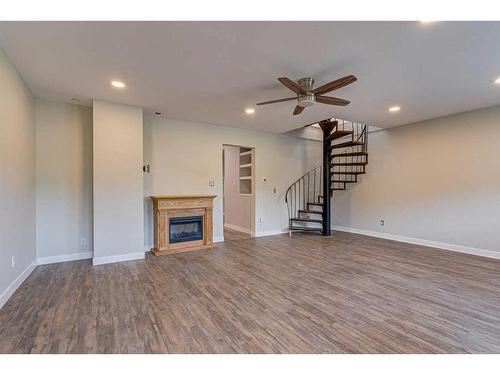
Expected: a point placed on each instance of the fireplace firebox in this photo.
(185, 229)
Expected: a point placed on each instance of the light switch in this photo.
(211, 183)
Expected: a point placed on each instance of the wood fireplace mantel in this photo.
(166, 207)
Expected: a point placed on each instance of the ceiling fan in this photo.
(307, 96)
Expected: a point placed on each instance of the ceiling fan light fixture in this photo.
(306, 100)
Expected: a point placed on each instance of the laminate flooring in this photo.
(277, 294)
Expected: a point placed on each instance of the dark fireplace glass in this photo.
(183, 229)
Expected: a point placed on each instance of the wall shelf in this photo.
(246, 171)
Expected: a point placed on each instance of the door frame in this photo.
(253, 184)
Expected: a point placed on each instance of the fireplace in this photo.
(182, 223)
(185, 229)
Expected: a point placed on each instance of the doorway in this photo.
(238, 191)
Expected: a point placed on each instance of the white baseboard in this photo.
(271, 232)
(219, 239)
(117, 258)
(64, 258)
(7, 293)
(237, 228)
(422, 242)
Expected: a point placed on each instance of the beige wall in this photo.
(437, 180)
(118, 182)
(186, 156)
(63, 181)
(17, 179)
(238, 208)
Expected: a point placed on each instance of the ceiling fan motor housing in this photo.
(306, 100)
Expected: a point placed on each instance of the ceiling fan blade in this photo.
(334, 85)
(292, 85)
(298, 109)
(331, 100)
(277, 101)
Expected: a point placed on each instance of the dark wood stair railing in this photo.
(345, 156)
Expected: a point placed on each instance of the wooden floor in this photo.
(231, 235)
(305, 294)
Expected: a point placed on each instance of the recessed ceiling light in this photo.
(497, 81)
(394, 109)
(249, 111)
(118, 84)
(75, 100)
(158, 113)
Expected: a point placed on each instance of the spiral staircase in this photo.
(345, 157)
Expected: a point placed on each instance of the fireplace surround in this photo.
(182, 223)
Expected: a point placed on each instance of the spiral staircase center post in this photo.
(326, 127)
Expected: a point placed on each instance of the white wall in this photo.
(437, 180)
(17, 179)
(63, 181)
(238, 208)
(118, 182)
(185, 156)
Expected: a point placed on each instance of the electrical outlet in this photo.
(382, 223)
(261, 220)
(12, 261)
(83, 242)
(211, 183)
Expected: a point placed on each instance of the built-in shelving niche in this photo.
(246, 170)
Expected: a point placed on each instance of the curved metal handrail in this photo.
(302, 191)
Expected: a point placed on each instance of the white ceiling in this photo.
(211, 71)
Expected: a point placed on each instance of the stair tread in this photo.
(339, 134)
(347, 164)
(346, 154)
(305, 228)
(311, 211)
(315, 204)
(350, 173)
(306, 220)
(346, 144)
